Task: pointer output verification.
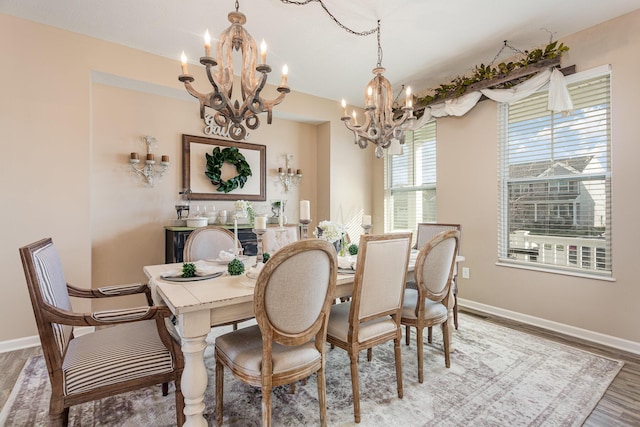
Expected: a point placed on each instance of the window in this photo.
(410, 181)
(555, 180)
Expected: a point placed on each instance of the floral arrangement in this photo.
(246, 209)
(329, 231)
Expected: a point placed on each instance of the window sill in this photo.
(607, 277)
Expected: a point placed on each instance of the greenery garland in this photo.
(231, 155)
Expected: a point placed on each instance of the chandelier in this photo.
(381, 125)
(240, 114)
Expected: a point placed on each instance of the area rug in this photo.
(498, 377)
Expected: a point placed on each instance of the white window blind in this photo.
(555, 180)
(410, 181)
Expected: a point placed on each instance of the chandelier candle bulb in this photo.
(183, 60)
(366, 219)
(355, 118)
(344, 108)
(305, 210)
(409, 101)
(207, 44)
(263, 52)
(285, 71)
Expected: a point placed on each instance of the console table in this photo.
(175, 238)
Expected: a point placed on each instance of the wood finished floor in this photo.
(618, 407)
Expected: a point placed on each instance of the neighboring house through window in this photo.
(410, 181)
(555, 180)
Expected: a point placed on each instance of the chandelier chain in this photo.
(237, 5)
(506, 44)
(332, 16)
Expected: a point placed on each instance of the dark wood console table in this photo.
(175, 237)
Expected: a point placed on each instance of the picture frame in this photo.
(194, 165)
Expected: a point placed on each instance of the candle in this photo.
(207, 44)
(366, 219)
(165, 159)
(344, 108)
(280, 171)
(235, 233)
(261, 223)
(150, 157)
(355, 118)
(409, 101)
(289, 171)
(369, 95)
(299, 172)
(305, 210)
(285, 71)
(281, 216)
(183, 58)
(263, 52)
(134, 156)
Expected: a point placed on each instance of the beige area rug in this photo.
(498, 377)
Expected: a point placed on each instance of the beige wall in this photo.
(467, 154)
(72, 110)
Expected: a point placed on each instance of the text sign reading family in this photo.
(213, 128)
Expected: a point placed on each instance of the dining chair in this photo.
(372, 317)
(425, 232)
(292, 298)
(277, 237)
(207, 242)
(130, 348)
(428, 305)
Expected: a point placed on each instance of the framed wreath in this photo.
(216, 169)
(230, 155)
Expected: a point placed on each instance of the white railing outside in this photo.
(580, 252)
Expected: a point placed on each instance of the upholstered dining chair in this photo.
(372, 316)
(425, 232)
(428, 305)
(277, 237)
(292, 298)
(133, 350)
(207, 242)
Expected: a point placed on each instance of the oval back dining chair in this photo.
(428, 305)
(427, 231)
(207, 242)
(292, 298)
(372, 316)
(133, 349)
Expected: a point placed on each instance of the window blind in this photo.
(410, 177)
(555, 180)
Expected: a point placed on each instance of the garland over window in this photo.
(230, 155)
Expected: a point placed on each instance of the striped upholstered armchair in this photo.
(134, 351)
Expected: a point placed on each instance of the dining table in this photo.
(216, 299)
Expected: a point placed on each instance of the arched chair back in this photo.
(207, 242)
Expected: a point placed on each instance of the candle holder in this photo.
(149, 170)
(366, 228)
(304, 223)
(288, 176)
(259, 253)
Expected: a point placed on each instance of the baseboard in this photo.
(595, 337)
(34, 341)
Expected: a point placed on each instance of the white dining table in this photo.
(199, 305)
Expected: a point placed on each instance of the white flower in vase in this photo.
(329, 231)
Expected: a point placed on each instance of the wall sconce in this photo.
(287, 176)
(148, 171)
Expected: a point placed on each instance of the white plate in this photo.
(225, 262)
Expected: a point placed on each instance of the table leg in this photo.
(194, 376)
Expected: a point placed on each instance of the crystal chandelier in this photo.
(380, 126)
(240, 114)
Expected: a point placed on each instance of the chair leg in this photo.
(266, 405)
(180, 416)
(398, 354)
(165, 389)
(445, 340)
(235, 326)
(322, 397)
(455, 310)
(407, 334)
(369, 354)
(429, 335)
(420, 346)
(292, 388)
(355, 386)
(58, 414)
(219, 391)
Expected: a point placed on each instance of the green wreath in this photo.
(231, 155)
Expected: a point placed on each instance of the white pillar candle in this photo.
(261, 223)
(235, 233)
(366, 219)
(305, 210)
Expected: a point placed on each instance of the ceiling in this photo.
(425, 43)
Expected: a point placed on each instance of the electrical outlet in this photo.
(465, 272)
